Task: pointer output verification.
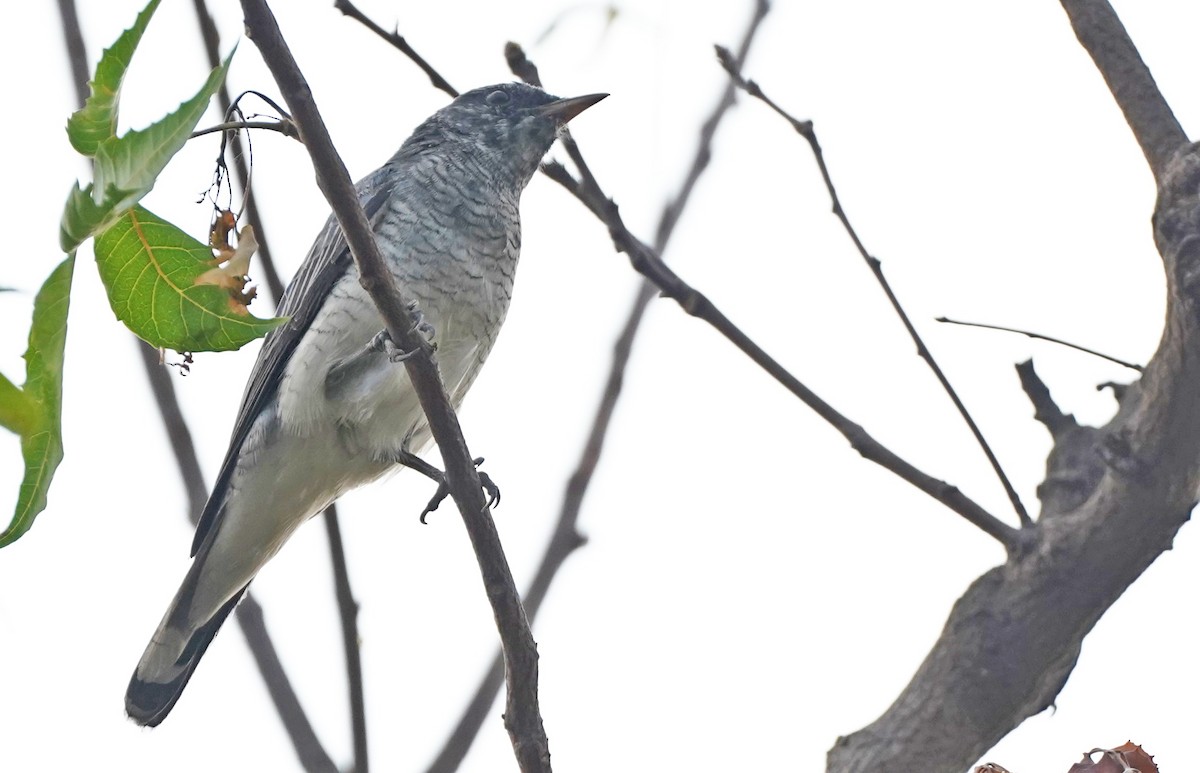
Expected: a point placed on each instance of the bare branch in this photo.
(313, 757)
(805, 129)
(566, 537)
(1051, 339)
(1045, 409)
(347, 607)
(284, 127)
(646, 262)
(394, 38)
(1103, 36)
(348, 612)
(308, 748)
(76, 50)
(1113, 500)
(522, 717)
(212, 50)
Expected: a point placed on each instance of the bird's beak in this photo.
(563, 110)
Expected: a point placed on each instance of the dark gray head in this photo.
(508, 127)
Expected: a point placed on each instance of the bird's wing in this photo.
(327, 260)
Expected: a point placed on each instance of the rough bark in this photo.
(1112, 501)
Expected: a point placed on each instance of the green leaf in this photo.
(81, 218)
(17, 412)
(150, 269)
(131, 163)
(96, 121)
(41, 438)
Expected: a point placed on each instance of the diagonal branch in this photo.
(396, 39)
(1150, 118)
(805, 130)
(522, 716)
(308, 748)
(1113, 499)
(347, 607)
(646, 261)
(566, 537)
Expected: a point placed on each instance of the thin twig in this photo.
(348, 612)
(212, 50)
(1039, 336)
(805, 129)
(646, 261)
(347, 608)
(522, 717)
(566, 537)
(396, 39)
(284, 127)
(308, 748)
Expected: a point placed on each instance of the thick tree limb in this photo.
(1150, 118)
(522, 717)
(1011, 641)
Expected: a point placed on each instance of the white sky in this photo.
(751, 588)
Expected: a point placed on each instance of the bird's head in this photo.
(511, 125)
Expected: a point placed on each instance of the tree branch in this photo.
(1045, 410)
(1011, 641)
(348, 613)
(284, 127)
(566, 537)
(347, 607)
(1040, 337)
(308, 748)
(396, 39)
(805, 129)
(522, 717)
(1103, 36)
(212, 50)
(647, 262)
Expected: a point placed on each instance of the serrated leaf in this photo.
(149, 268)
(17, 412)
(131, 163)
(82, 217)
(41, 442)
(96, 121)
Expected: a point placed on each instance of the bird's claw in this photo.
(420, 324)
(382, 342)
(443, 491)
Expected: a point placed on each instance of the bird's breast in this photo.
(456, 256)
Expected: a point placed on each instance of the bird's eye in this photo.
(498, 97)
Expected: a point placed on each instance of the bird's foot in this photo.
(443, 490)
(420, 324)
(382, 342)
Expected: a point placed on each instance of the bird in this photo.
(327, 407)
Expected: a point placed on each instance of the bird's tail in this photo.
(173, 653)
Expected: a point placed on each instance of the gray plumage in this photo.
(323, 412)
